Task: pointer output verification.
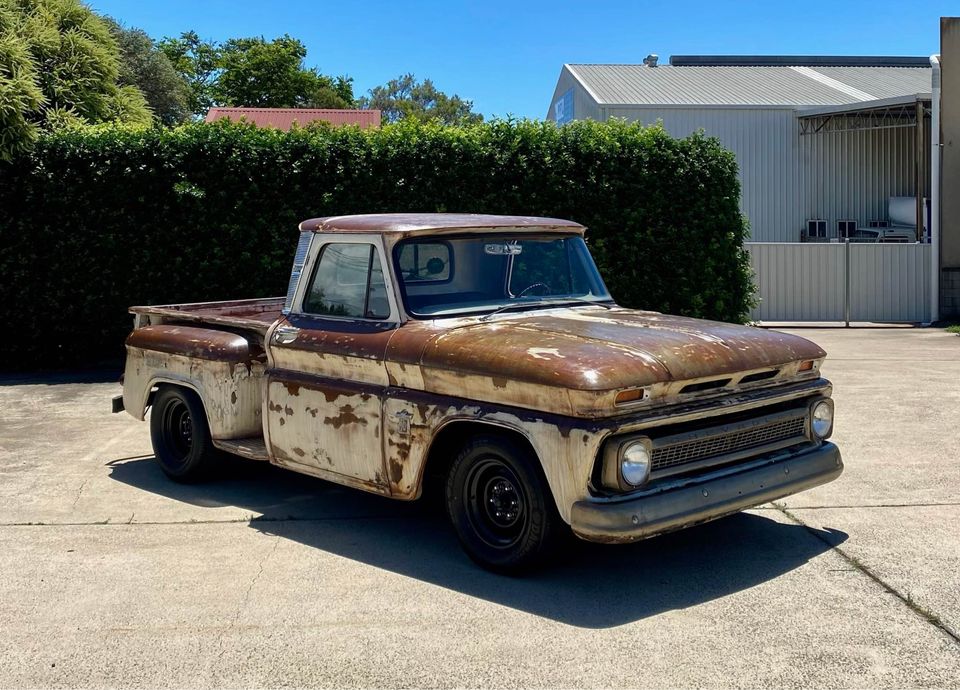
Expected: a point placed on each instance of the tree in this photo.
(197, 63)
(405, 97)
(59, 65)
(253, 72)
(258, 73)
(144, 65)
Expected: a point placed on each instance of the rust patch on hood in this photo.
(599, 350)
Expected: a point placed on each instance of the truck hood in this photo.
(595, 349)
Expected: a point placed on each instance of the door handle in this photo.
(285, 334)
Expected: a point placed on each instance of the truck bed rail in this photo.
(249, 314)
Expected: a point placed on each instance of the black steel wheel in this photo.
(181, 436)
(500, 505)
(495, 502)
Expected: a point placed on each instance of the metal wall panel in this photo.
(807, 282)
(785, 178)
(766, 144)
(584, 106)
(852, 175)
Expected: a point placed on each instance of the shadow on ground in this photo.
(593, 586)
(56, 378)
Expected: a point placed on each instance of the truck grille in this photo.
(668, 453)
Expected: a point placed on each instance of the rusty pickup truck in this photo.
(484, 356)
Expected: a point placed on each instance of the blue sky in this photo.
(506, 56)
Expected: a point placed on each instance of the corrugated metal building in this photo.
(816, 138)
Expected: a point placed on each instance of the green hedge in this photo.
(92, 221)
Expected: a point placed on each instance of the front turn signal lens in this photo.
(628, 396)
(807, 365)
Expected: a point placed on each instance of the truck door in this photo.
(327, 377)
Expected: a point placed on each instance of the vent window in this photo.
(303, 246)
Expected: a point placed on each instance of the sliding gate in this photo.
(841, 282)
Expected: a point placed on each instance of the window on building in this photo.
(817, 229)
(846, 228)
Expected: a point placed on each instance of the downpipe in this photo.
(935, 190)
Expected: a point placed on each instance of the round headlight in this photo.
(821, 418)
(635, 463)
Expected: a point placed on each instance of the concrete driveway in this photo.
(110, 575)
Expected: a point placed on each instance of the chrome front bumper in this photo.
(704, 498)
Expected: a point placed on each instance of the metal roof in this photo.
(800, 60)
(786, 86)
(283, 118)
(864, 106)
(428, 223)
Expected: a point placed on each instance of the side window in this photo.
(348, 281)
(422, 262)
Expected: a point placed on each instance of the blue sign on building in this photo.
(563, 108)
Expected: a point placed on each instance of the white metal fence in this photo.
(841, 282)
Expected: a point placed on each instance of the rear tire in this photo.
(181, 436)
(501, 506)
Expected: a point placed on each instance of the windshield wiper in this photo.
(544, 302)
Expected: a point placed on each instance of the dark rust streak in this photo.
(396, 471)
(346, 416)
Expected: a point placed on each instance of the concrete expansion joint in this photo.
(876, 505)
(923, 613)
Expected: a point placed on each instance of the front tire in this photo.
(181, 436)
(501, 506)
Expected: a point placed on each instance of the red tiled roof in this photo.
(283, 118)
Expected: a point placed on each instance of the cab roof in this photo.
(410, 224)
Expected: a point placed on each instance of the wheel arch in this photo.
(454, 433)
(160, 382)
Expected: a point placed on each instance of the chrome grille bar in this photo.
(684, 452)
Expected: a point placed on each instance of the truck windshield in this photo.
(485, 273)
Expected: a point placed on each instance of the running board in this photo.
(252, 448)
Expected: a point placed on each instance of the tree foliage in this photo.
(254, 72)
(271, 74)
(145, 66)
(59, 65)
(406, 98)
(196, 61)
(94, 220)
